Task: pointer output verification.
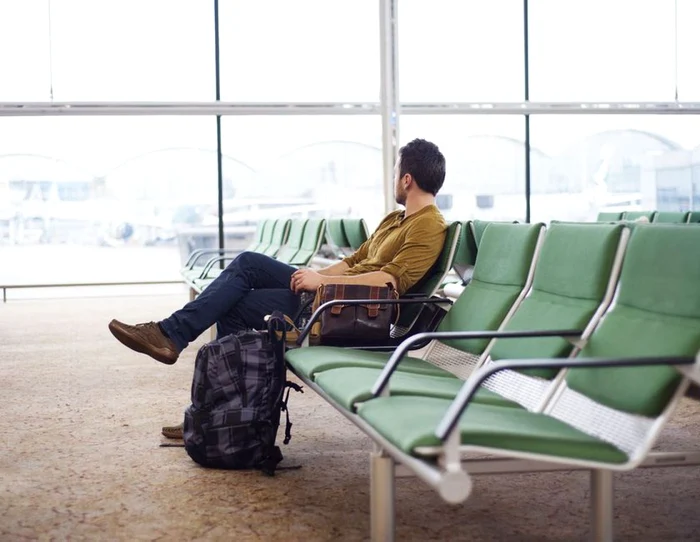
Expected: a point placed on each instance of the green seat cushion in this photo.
(350, 385)
(314, 359)
(409, 422)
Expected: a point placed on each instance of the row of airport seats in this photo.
(295, 241)
(665, 217)
(567, 350)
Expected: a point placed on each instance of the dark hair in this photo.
(425, 163)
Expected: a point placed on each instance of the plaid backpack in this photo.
(237, 396)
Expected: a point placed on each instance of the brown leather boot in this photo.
(146, 339)
(173, 431)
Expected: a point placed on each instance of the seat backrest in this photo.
(656, 313)
(261, 230)
(608, 217)
(311, 241)
(671, 217)
(479, 227)
(634, 215)
(336, 236)
(503, 268)
(291, 247)
(465, 254)
(279, 236)
(431, 281)
(575, 277)
(356, 231)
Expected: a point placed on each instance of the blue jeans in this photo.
(251, 287)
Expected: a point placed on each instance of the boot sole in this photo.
(128, 341)
(173, 433)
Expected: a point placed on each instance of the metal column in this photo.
(382, 497)
(602, 505)
(219, 160)
(389, 96)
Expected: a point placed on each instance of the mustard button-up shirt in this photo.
(404, 247)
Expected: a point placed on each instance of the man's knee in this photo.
(249, 259)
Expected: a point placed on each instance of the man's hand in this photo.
(305, 280)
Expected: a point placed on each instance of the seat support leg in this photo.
(382, 498)
(602, 505)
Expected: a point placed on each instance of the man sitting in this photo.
(401, 250)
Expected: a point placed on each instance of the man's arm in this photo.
(335, 269)
(308, 280)
(374, 278)
(421, 248)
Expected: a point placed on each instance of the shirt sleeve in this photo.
(421, 248)
(360, 254)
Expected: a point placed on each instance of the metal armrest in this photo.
(210, 263)
(401, 351)
(197, 254)
(465, 395)
(192, 256)
(317, 314)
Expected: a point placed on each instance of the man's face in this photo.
(399, 189)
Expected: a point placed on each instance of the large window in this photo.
(613, 163)
(126, 198)
(485, 158)
(460, 50)
(602, 50)
(86, 199)
(688, 47)
(301, 166)
(81, 50)
(24, 51)
(301, 51)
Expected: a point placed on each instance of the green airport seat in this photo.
(502, 276)
(280, 230)
(356, 232)
(575, 278)
(337, 239)
(311, 241)
(604, 417)
(291, 247)
(465, 255)
(667, 217)
(604, 216)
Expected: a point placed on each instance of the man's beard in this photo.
(400, 198)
